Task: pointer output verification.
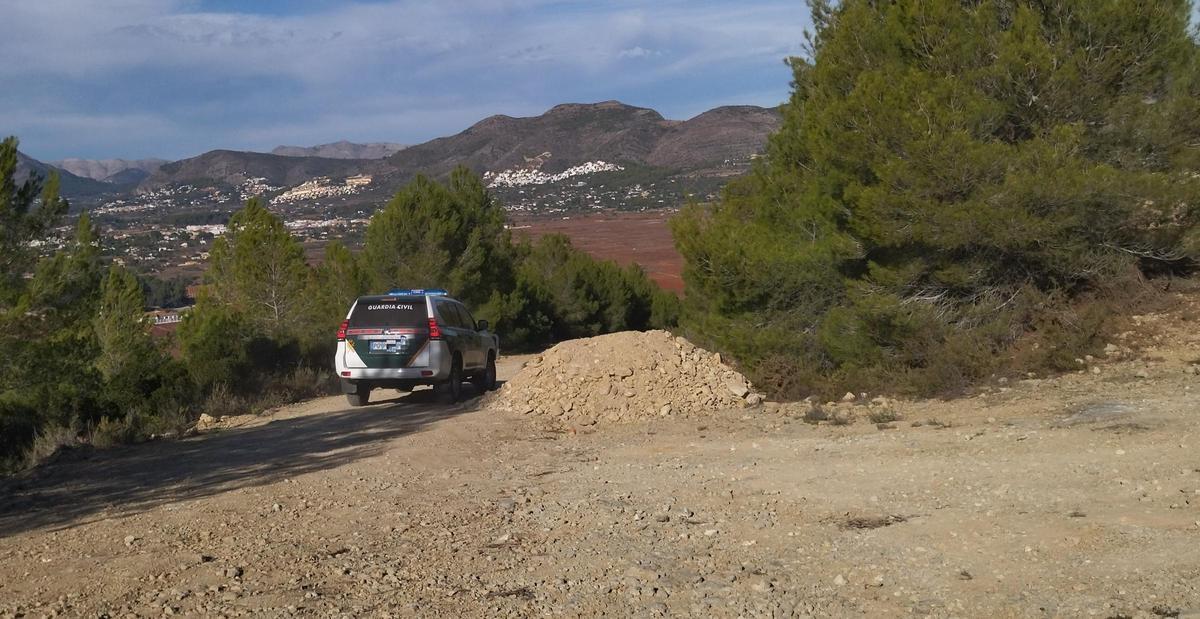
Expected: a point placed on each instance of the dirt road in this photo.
(1072, 497)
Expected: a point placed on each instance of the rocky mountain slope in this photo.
(608, 131)
(565, 136)
(341, 150)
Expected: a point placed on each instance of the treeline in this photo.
(958, 189)
(79, 365)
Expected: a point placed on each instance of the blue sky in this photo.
(174, 78)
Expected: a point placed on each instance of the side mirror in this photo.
(481, 325)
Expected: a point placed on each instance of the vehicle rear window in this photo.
(390, 312)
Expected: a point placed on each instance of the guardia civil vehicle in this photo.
(413, 337)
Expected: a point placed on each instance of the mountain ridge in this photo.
(571, 133)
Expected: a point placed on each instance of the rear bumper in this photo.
(434, 368)
(415, 374)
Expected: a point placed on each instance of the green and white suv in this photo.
(413, 337)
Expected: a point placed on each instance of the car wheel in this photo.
(451, 390)
(361, 395)
(486, 381)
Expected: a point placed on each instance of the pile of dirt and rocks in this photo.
(624, 377)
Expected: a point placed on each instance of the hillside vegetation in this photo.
(958, 188)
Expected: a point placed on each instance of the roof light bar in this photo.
(430, 292)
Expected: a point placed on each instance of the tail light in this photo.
(435, 332)
(342, 330)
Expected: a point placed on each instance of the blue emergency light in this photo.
(428, 292)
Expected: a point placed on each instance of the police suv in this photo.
(413, 337)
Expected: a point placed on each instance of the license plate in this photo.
(388, 346)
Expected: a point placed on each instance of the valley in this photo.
(605, 174)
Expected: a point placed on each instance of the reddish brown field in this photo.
(627, 238)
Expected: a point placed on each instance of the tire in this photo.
(361, 395)
(486, 380)
(451, 390)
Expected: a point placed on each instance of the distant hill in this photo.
(70, 185)
(720, 134)
(116, 171)
(341, 150)
(571, 134)
(233, 167)
(611, 131)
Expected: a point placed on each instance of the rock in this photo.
(738, 388)
(839, 580)
(665, 410)
(233, 572)
(1141, 374)
(754, 399)
(130, 539)
(849, 397)
(1095, 369)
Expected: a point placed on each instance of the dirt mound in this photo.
(624, 377)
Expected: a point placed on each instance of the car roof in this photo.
(381, 297)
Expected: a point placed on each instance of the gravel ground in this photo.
(1068, 497)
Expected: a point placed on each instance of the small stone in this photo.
(1142, 374)
(662, 518)
(710, 532)
(665, 410)
(276, 507)
(130, 539)
(839, 580)
(233, 572)
(849, 397)
(1095, 369)
(754, 399)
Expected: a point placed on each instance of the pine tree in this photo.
(450, 236)
(257, 269)
(21, 223)
(943, 169)
(122, 333)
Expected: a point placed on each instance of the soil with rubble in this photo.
(634, 475)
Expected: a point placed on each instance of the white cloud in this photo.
(326, 68)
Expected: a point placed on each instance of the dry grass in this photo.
(48, 442)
